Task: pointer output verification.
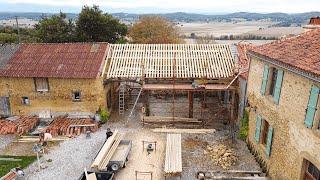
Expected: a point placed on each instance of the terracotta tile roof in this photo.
(300, 52)
(315, 21)
(243, 58)
(68, 60)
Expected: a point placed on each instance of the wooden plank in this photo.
(184, 131)
(104, 150)
(110, 152)
(173, 159)
(164, 119)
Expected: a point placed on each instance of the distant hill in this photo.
(283, 18)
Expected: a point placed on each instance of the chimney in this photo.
(314, 23)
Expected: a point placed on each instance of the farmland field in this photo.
(218, 29)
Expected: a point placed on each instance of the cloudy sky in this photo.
(162, 6)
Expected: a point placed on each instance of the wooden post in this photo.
(190, 97)
(146, 102)
(232, 117)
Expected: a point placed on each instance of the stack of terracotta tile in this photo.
(9, 176)
(71, 126)
(19, 126)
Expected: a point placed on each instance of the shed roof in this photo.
(170, 60)
(63, 60)
(301, 52)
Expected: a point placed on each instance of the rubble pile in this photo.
(222, 156)
(71, 126)
(19, 126)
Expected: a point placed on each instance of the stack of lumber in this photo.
(186, 131)
(164, 119)
(28, 139)
(69, 126)
(9, 176)
(107, 150)
(19, 126)
(173, 161)
(222, 156)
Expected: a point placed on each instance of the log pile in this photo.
(71, 126)
(106, 152)
(173, 161)
(19, 126)
(222, 156)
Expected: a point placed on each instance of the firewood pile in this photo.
(222, 156)
(71, 126)
(19, 126)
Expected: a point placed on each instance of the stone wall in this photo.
(292, 141)
(59, 97)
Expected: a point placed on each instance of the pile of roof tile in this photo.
(18, 126)
(71, 126)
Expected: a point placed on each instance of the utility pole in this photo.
(19, 40)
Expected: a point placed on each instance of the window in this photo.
(76, 96)
(25, 101)
(41, 84)
(312, 172)
(273, 80)
(264, 132)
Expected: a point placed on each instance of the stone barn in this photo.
(54, 78)
(177, 83)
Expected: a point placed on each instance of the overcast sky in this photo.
(163, 6)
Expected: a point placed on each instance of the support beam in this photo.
(190, 97)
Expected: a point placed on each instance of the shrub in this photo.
(244, 126)
(104, 115)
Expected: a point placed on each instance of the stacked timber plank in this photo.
(19, 126)
(29, 139)
(164, 119)
(173, 161)
(108, 149)
(71, 126)
(186, 131)
(9, 176)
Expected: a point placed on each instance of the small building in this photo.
(52, 77)
(283, 92)
(314, 23)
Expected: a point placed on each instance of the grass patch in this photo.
(6, 166)
(244, 126)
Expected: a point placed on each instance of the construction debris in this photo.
(221, 155)
(187, 131)
(19, 126)
(9, 176)
(71, 127)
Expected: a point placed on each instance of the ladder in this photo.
(122, 90)
(134, 105)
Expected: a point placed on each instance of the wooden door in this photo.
(4, 106)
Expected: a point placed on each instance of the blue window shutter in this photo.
(312, 106)
(264, 80)
(258, 128)
(269, 141)
(277, 90)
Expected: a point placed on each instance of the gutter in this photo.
(284, 66)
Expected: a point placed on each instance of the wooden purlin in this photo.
(192, 61)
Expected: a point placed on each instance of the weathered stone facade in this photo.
(59, 98)
(292, 141)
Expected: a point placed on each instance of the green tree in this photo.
(93, 25)
(55, 29)
(8, 38)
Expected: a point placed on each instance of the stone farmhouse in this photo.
(283, 91)
(53, 77)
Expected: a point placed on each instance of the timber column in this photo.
(190, 97)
